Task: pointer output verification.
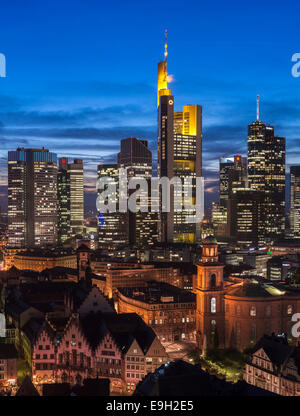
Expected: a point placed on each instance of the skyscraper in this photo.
(245, 217)
(233, 175)
(112, 226)
(179, 155)
(266, 173)
(32, 198)
(70, 194)
(136, 158)
(295, 201)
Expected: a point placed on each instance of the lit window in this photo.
(213, 305)
(253, 311)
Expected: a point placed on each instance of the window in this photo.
(213, 326)
(253, 311)
(212, 281)
(213, 305)
(252, 333)
(290, 309)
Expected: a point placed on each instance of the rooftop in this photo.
(252, 288)
(38, 252)
(158, 293)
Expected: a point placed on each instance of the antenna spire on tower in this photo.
(166, 44)
(257, 107)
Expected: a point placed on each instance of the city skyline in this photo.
(82, 109)
(150, 169)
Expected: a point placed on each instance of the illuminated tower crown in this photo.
(162, 79)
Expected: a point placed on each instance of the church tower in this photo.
(83, 256)
(208, 286)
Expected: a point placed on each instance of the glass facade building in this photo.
(70, 195)
(295, 201)
(32, 198)
(266, 173)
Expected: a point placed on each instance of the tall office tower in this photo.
(179, 155)
(233, 175)
(266, 173)
(219, 220)
(225, 166)
(136, 158)
(112, 226)
(70, 195)
(295, 201)
(32, 198)
(245, 217)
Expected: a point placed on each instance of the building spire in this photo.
(257, 107)
(166, 44)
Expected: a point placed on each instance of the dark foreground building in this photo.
(179, 378)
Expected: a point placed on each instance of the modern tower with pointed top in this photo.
(266, 173)
(179, 155)
(162, 80)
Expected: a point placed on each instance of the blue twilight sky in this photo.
(81, 75)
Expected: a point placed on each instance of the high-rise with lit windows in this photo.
(70, 194)
(245, 217)
(112, 226)
(136, 157)
(295, 201)
(32, 198)
(233, 175)
(179, 155)
(266, 173)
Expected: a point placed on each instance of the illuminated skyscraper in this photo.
(233, 175)
(32, 198)
(179, 155)
(266, 173)
(70, 194)
(245, 217)
(112, 226)
(295, 201)
(136, 158)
